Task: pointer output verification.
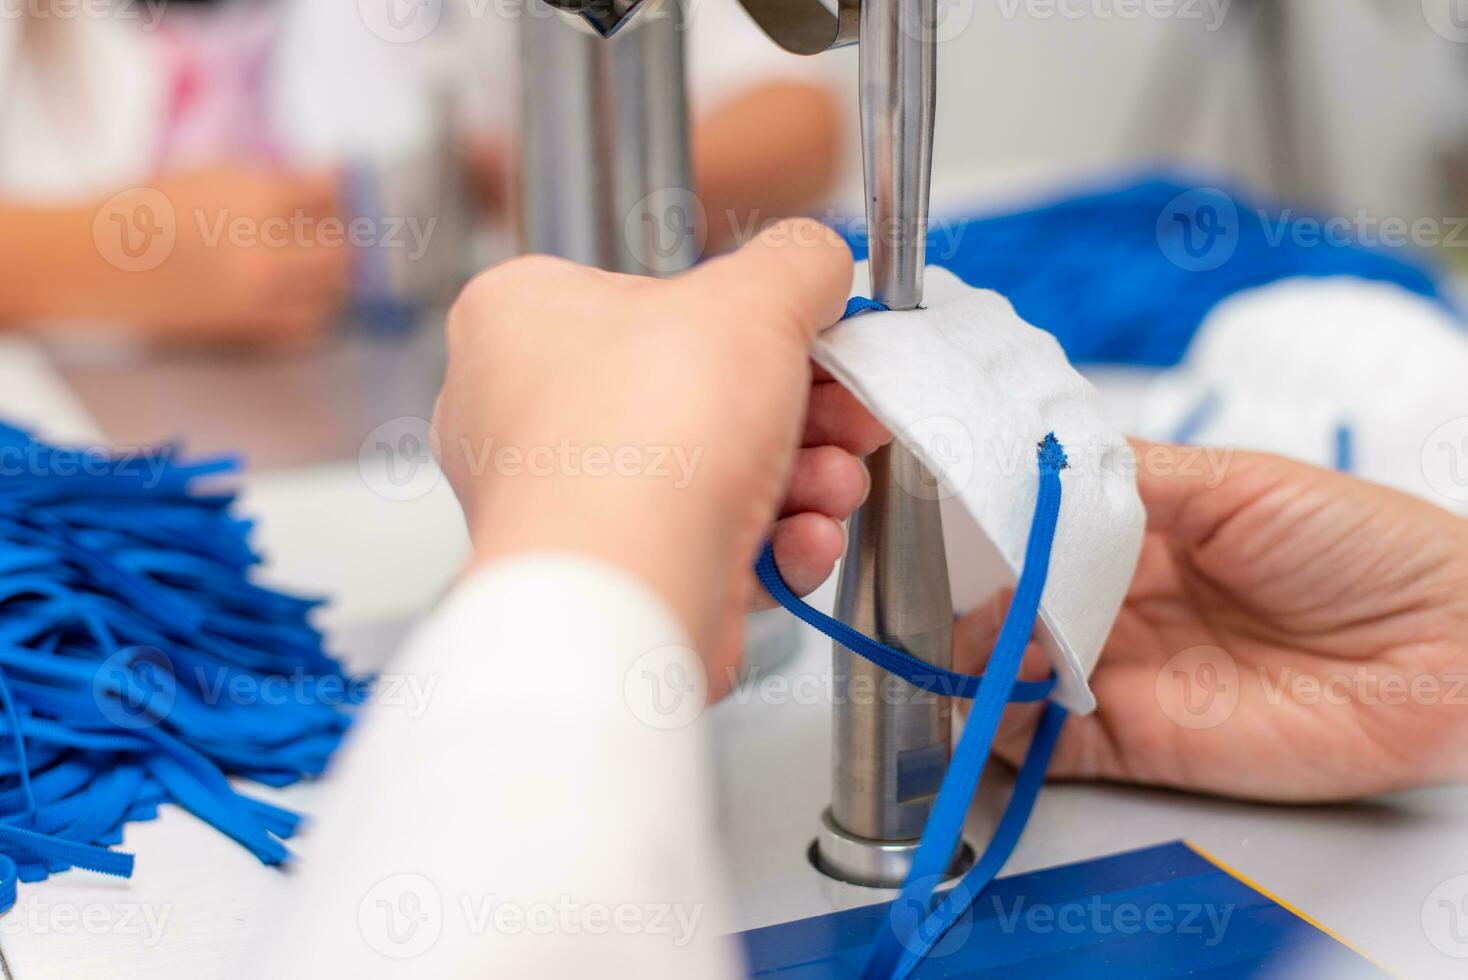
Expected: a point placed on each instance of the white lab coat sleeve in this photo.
(542, 808)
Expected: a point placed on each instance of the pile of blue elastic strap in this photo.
(919, 917)
(139, 665)
(1111, 274)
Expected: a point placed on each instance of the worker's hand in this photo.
(661, 426)
(1292, 634)
(231, 256)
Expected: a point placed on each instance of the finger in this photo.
(807, 547)
(793, 278)
(836, 418)
(826, 480)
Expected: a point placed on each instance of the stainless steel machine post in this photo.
(605, 175)
(892, 741)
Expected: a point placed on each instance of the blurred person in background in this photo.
(181, 168)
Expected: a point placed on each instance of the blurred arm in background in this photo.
(767, 153)
(220, 256)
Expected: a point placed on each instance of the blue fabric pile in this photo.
(139, 665)
(1126, 274)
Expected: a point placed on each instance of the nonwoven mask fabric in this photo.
(966, 384)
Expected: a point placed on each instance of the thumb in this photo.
(794, 278)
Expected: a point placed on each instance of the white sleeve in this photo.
(546, 812)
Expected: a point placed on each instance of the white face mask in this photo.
(1289, 367)
(971, 389)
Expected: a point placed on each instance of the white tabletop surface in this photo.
(1373, 872)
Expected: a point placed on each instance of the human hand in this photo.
(1292, 634)
(700, 386)
(258, 257)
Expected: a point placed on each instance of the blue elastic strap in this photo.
(860, 304)
(127, 618)
(916, 672)
(897, 949)
(1345, 447)
(896, 952)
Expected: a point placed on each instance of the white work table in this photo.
(195, 907)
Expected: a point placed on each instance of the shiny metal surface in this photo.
(807, 26)
(892, 741)
(606, 178)
(606, 17)
(868, 863)
(898, 94)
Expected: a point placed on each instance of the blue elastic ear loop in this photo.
(916, 672)
(895, 955)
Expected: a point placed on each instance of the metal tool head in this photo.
(807, 26)
(606, 17)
